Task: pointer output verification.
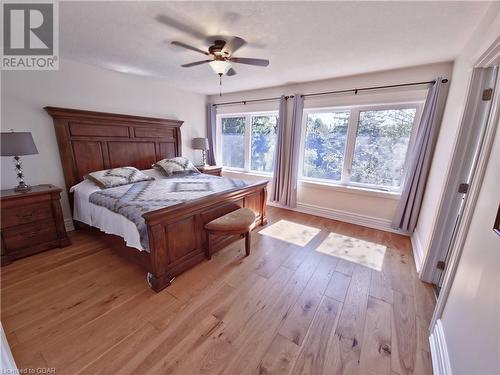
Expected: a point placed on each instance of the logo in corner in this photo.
(30, 36)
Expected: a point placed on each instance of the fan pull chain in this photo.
(220, 84)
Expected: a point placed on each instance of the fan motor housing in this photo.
(217, 47)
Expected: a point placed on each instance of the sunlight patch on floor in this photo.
(291, 232)
(366, 253)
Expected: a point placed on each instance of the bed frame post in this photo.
(263, 219)
(159, 278)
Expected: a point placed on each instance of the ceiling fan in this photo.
(221, 56)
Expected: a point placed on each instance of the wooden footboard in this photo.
(177, 239)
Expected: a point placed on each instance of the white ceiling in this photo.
(303, 40)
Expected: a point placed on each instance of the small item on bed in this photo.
(178, 165)
(109, 178)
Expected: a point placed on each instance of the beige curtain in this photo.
(420, 160)
(284, 185)
(211, 133)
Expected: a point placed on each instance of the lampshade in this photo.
(200, 144)
(220, 66)
(17, 143)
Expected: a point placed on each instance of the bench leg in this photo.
(247, 243)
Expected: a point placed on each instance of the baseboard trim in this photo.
(68, 223)
(439, 351)
(418, 251)
(348, 217)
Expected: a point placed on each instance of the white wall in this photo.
(484, 36)
(368, 208)
(471, 317)
(76, 85)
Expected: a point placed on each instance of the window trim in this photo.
(247, 139)
(352, 131)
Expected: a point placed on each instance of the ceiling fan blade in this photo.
(233, 45)
(184, 45)
(249, 61)
(231, 72)
(188, 65)
(178, 25)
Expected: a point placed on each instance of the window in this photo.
(325, 139)
(363, 146)
(233, 142)
(381, 143)
(248, 141)
(263, 143)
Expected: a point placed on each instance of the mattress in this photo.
(100, 217)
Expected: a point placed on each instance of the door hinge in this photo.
(463, 188)
(440, 265)
(487, 94)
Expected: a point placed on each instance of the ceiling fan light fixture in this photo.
(220, 67)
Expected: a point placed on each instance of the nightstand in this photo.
(32, 222)
(211, 169)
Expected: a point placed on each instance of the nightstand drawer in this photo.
(27, 235)
(12, 216)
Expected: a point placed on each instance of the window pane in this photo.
(233, 142)
(381, 145)
(326, 135)
(263, 142)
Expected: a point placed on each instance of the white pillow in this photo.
(176, 165)
(117, 177)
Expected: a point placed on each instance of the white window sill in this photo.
(247, 173)
(351, 189)
(323, 185)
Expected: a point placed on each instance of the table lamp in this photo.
(201, 144)
(16, 144)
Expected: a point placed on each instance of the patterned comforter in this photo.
(134, 200)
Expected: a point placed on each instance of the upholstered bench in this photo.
(239, 222)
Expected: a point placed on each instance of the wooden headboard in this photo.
(91, 141)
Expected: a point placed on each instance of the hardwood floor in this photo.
(285, 309)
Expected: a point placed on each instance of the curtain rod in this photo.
(251, 101)
(355, 91)
(373, 88)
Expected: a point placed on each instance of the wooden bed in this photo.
(90, 141)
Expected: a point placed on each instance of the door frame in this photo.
(468, 146)
(490, 58)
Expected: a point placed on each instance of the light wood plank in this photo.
(337, 288)
(240, 321)
(111, 328)
(273, 259)
(298, 320)
(114, 360)
(380, 286)
(398, 269)
(250, 354)
(375, 356)
(312, 357)
(279, 357)
(352, 318)
(345, 267)
(404, 334)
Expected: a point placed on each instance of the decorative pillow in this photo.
(117, 177)
(176, 165)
